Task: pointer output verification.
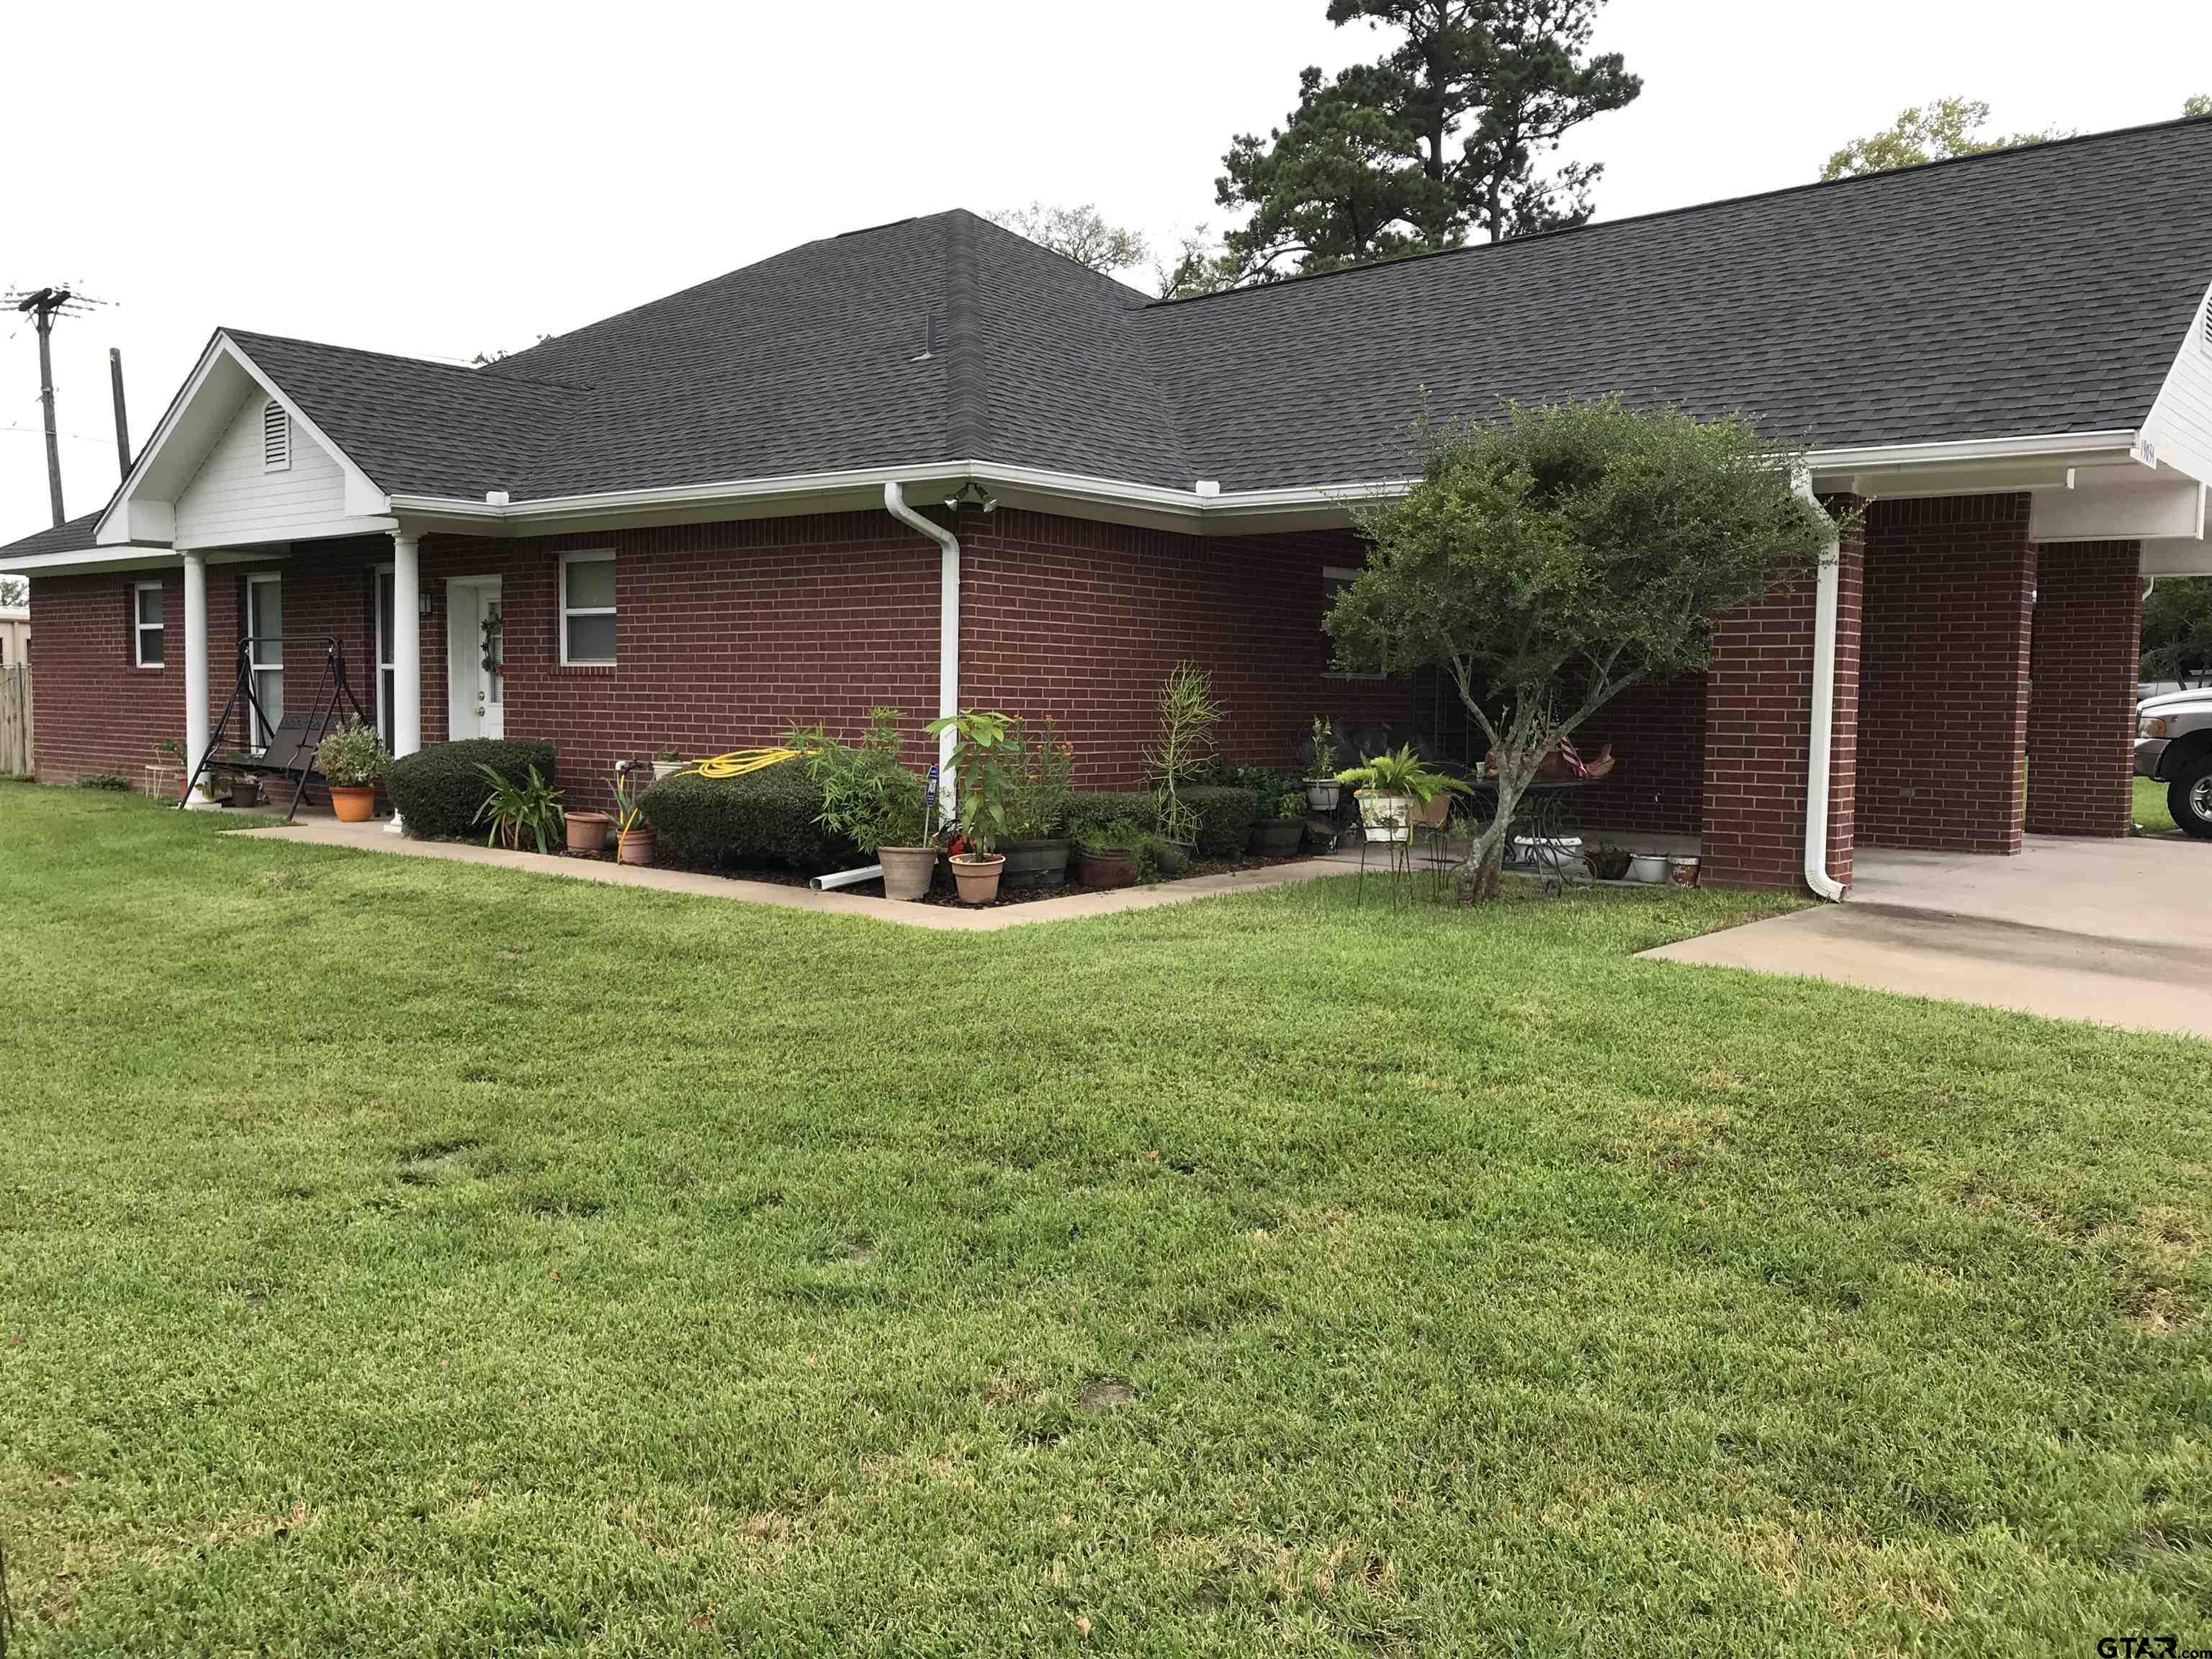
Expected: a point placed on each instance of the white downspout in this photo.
(948, 628)
(1819, 761)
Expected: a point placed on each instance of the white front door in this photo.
(476, 699)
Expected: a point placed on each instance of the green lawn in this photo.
(402, 1257)
(2151, 815)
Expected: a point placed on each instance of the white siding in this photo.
(2180, 423)
(232, 497)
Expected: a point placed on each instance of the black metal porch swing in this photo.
(290, 750)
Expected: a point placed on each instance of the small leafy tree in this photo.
(983, 762)
(1081, 233)
(1948, 127)
(2177, 630)
(868, 796)
(1551, 560)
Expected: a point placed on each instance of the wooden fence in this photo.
(16, 718)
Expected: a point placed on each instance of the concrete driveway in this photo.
(2116, 931)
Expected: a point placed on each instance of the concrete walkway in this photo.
(2115, 931)
(946, 917)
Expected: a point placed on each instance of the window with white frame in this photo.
(588, 608)
(147, 631)
(265, 629)
(1333, 581)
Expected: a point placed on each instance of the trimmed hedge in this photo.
(438, 790)
(766, 816)
(1225, 814)
(1092, 809)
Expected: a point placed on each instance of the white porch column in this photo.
(196, 662)
(406, 651)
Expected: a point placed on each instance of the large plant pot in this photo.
(907, 870)
(1173, 858)
(1035, 864)
(1385, 818)
(636, 848)
(1278, 838)
(244, 791)
(588, 831)
(662, 768)
(1323, 793)
(976, 875)
(1107, 867)
(353, 803)
(1648, 866)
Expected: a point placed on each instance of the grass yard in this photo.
(2151, 815)
(412, 1258)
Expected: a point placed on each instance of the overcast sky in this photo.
(443, 179)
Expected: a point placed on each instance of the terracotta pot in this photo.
(976, 876)
(1108, 868)
(907, 870)
(353, 803)
(588, 831)
(1682, 870)
(636, 848)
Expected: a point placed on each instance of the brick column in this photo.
(1943, 678)
(2082, 707)
(1759, 708)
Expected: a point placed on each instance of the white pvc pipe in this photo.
(1819, 761)
(846, 878)
(948, 630)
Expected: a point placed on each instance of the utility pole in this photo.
(122, 420)
(43, 305)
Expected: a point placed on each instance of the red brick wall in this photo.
(729, 634)
(1943, 687)
(2082, 706)
(1758, 702)
(1080, 620)
(1658, 735)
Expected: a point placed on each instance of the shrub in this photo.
(102, 780)
(1221, 819)
(768, 817)
(352, 754)
(1089, 810)
(438, 791)
(868, 796)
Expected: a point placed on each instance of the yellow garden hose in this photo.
(739, 762)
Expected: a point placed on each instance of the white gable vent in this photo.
(275, 438)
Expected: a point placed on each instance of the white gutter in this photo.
(1819, 761)
(948, 626)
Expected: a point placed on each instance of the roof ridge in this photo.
(1469, 249)
(967, 387)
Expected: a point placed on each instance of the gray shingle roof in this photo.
(73, 537)
(2033, 291)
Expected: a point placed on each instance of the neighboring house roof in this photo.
(2037, 291)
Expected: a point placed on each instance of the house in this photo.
(929, 464)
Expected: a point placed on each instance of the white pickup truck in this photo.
(2173, 744)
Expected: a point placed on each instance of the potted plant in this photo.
(635, 840)
(513, 810)
(587, 829)
(1322, 789)
(871, 800)
(353, 761)
(1390, 786)
(245, 789)
(1280, 834)
(1608, 862)
(1108, 854)
(165, 777)
(1043, 768)
(1183, 750)
(984, 779)
(667, 762)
